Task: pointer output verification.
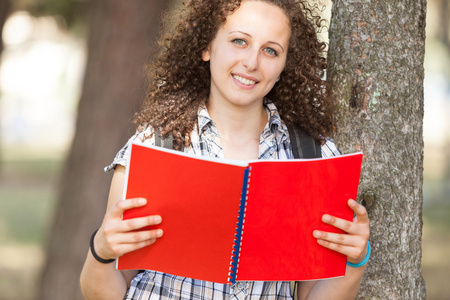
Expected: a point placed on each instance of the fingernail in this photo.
(159, 233)
(157, 219)
(326, 218)
(142, 201)
(317, 234)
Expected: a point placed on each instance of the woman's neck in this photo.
(239, 127)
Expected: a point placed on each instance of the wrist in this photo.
(94, 253)
(364, 261)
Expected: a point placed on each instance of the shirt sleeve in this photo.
(123, 155)
(329, 149)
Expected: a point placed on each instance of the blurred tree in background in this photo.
(72, 12)
(119, 36)
(444, 28)
(5, 9)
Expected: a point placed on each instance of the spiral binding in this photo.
(237, 243)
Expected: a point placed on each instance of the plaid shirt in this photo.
(274, 144)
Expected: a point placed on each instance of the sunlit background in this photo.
(41, 73)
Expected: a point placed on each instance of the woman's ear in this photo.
(206, 56)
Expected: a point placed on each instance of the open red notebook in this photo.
(226, 221)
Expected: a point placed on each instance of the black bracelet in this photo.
(98, 258)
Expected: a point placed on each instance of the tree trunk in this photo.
(444, 24)
(5, 10)
(376, 69)
(120, 33)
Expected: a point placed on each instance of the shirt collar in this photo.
(275, 123)
(203, 119)
(273, 116)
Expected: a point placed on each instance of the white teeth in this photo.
(244, 81)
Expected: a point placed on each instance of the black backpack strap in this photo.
(166, 142)
(303, 145)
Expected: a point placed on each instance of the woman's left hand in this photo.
(353, 244)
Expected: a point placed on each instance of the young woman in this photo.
(230, 79)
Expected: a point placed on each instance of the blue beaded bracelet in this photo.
(364, 261)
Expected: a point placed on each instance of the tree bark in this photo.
(120, 33)
(376, 69)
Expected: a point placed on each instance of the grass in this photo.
(27, 195)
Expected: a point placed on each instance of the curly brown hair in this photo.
(179, 80)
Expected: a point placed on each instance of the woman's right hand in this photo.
(117, 236)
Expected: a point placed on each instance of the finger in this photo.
(341, 239)
(114, 244)
(139, 223)
(121, 206)
(342, 224)
(359, 210)
(140, 236)
(354, 254)
(121, 249)
(349, 251)
(355, 227)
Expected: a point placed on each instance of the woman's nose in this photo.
(251, 60)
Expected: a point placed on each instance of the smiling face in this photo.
(248, 54)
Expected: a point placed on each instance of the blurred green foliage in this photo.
(27, 197)
(72, 11)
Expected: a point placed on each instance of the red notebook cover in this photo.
(278, 225)
(229, 220)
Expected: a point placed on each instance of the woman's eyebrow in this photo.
(249, 35)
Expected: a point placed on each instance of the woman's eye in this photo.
(239, 42)
(271, 51)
